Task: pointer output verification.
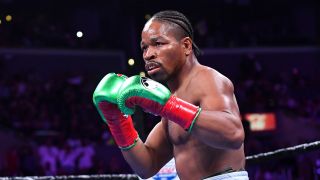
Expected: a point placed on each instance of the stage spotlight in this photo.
(131, 62)
(147, 16)
(142, 74)
(8, 18)
(79, 34)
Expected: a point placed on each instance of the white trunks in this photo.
(238, 175)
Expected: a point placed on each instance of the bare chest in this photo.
(177, 135)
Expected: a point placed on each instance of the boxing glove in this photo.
(105, 99)
(155, 98)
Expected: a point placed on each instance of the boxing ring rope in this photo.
(279, 153)
(284, 152)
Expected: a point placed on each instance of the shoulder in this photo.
(213, 90)
(208, 78)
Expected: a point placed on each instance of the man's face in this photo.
(163, 54)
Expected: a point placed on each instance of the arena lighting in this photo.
(147, 16)
(79, 34)
(8, 18)
(131, 62)
(142, 74)
(0, 21)
(261, 121)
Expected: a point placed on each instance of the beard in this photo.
(160, 77)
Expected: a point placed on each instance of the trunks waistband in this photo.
(237, 175)
(229, 173)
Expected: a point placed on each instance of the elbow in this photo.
(237, 139)
(237, 136)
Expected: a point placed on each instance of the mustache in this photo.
(151, 64)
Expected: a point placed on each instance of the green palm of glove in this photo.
(137, 88)
(107, 90)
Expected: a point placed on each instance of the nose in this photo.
(149, 54)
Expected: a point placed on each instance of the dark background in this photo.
(48, 125)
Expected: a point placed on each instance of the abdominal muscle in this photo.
(196, 160)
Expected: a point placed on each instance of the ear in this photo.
(187, 45)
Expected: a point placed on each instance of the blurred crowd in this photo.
(293, 97)
(55, 125)
(230, 23)
(292, 92)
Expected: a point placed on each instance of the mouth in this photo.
(152, 67)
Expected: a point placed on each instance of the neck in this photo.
(181, 76)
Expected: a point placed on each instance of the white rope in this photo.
(284, 152)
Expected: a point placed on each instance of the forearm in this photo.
(219, 129)
(142, 160)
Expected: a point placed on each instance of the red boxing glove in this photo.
(180, 112)
(104, 98)
(175, 109)
(120, 125)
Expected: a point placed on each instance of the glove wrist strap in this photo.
(122, 129)
(181, 112)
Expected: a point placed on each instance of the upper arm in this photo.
(159, 146)
(218, 124)
(217, 93)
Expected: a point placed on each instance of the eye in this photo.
(143, 48)
(159, 43)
